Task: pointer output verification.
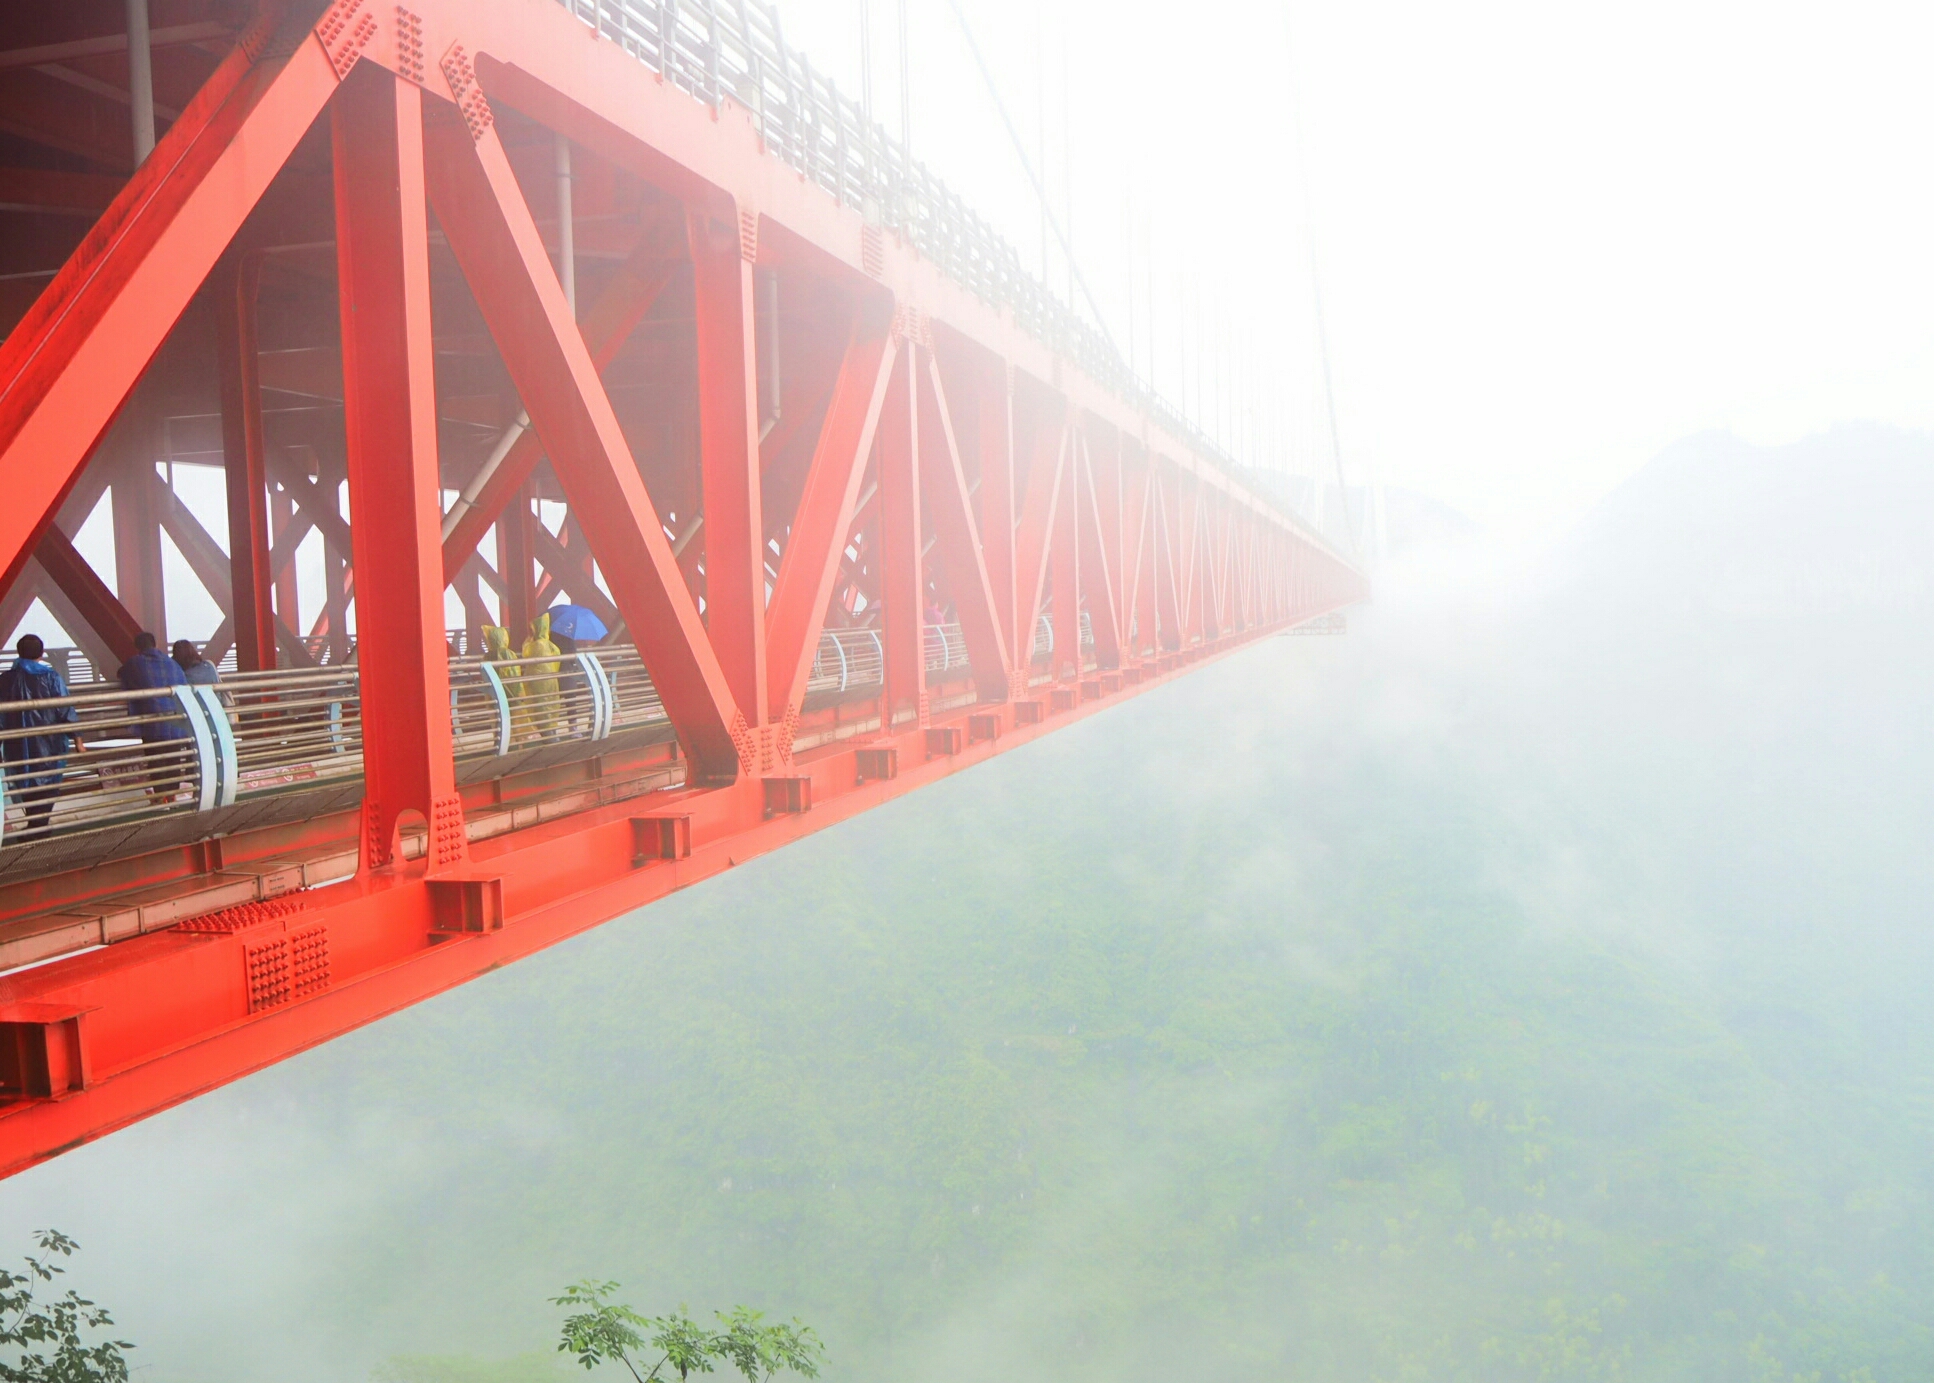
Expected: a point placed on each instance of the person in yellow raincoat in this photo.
(498, 650)
(543, 701)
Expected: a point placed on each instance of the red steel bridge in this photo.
(611, 301)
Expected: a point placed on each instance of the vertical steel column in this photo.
(287, 606)
(1097, 523)
(243, 464)
(1049, 441)
(1188, 545)
(902, 590)
(995, 437)
(1140, 495)
(337, 576)
(514, 563)
(137, 526)
(1064, 564)
(1168, 596)
(728, 423)
(1111, 500)
(389, 409)
(956, 537)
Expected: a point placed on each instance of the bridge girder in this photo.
(348, 219)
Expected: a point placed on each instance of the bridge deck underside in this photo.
(463, 297)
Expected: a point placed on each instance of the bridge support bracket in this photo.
(466, 904)
(788, 796)
(42, 1056)
(879, 765)
(943, 741)
(660, 838)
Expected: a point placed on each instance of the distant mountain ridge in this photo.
(1837, 524)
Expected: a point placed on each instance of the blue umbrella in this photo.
(577, 623)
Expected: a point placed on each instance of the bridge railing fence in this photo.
(1044, 636)
(715, 49)
(176, 751)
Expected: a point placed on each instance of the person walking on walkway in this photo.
(35, 762)
(197, 669)
(159, 724)
(497, 651)
(542, 697)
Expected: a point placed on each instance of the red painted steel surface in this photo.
(353, 218)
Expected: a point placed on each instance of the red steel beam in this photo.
(389, 415)
(87, 593)
(514, 558)
(68, 364)
(810, 562)
(244, 465)
(957, 539)
(1033, 527)
(1064, 563)
(728, 427)
(902, 584)
(1150, 536)
(606, 327)
(994, 421)
(163, 1017)
(567, 568)
(490, 231)
(1097, 567)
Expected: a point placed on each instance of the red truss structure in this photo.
(693, 345)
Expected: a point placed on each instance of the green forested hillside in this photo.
(1218, 1061)
(1483, 996)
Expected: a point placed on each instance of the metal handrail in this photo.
(256, 734)
(1044, 636)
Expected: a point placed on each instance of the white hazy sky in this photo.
(1551, 239)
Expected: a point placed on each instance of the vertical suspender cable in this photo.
(1035, 179)
(1316, 281)
(906, 90)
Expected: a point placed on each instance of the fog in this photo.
(1528, 984)
(1551, 240)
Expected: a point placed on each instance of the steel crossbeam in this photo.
(919, 449)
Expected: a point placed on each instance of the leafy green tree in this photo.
(31, 1327)
(761, 1351)
(600, 1330)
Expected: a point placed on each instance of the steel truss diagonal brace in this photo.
(609, 323)
(496, 243)
(65, 369)
(810, 562)
(958, 539)
(1034, 530)
(1097, 580)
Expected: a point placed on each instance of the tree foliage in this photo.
(600, 1330)
(33, 1327)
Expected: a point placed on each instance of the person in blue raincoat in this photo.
(35, 764)
(162, 727)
